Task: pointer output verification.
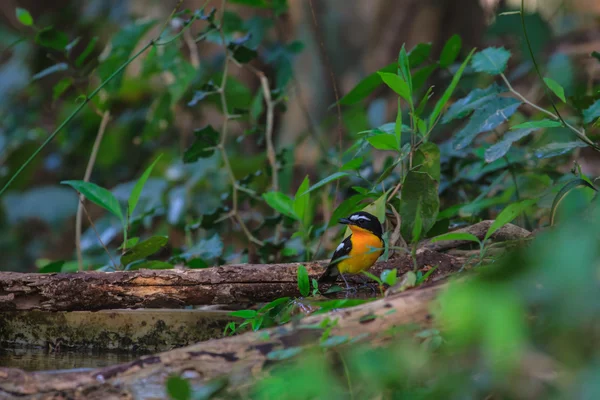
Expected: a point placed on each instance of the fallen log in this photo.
(231, 284)
(241, 358)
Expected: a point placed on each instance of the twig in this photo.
(86, 178)
(97, 234)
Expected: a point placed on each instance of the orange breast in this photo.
(362, 255)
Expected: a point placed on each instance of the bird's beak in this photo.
(345, 221)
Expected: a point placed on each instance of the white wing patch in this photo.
(359, 217)
(341, 246)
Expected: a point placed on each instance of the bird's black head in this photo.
(363, 221)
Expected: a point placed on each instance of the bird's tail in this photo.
(330, 275)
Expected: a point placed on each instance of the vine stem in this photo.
(86, 178)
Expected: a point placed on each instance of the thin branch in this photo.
(86, 178)
(269, 131)
(116, 266)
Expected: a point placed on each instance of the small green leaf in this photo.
(86, 52)
(499, 149)
(302, 203)
(389, 276)
(366, 86)
(450, 51)
(130, 243)
(419, 54)
(203, 146)
(280, 203)
(144, 249)
(99, 196)
(151, 264)
(303, 281)
(592, 112)
(178, 388)
(456, 236)
(61, 87)
(448, 93)
(24, 16)
(384, 141)
(51, 38)
(508, 214)
(246, 314)
(492, 60)
(543, 123)
(54, 266)
(397, 84)
(325, 181)
(136, 192)
(419, 194)
(556, 88)
(558, 149)
(474, 100)
(353, 164)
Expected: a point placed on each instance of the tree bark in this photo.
(232, 284)
(241, 358)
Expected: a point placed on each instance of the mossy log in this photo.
(239, 358)
(231, 284)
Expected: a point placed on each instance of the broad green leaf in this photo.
(303, 281)
(397, 84)
(558, 149)
(281, 203)
(86, 52)
(456, 236)
(508, 214)
(417, 225)
(246, 314)
(543, 123)
(419, 54)
(347, 207)
(384, 141)
(499, 149)
(556, 89)
(486, 118)
(389, 276)
(144, 249)
(331, 178)
(302, 202)
(564, 191)
(366, 86)
(99, 196)
(178, 388)
(129, 243)
(24, 16)
(427, 159)
(420, 76)
(419, 193)
(353, 164)
(404, 72)
(203, 147)
(52, 38)
(449, 91)
(474, 100)
(151, 264)
(136, 192)
(492, 60)
(592, 112)
(450, 51)
(52, 267)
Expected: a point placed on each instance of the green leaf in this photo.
(136, 192)
(130, 243)
(508, 214)
(543, 123)
(303, 281)
(474, 100)
(24, 16)
(486, 118)
(61, 87)
(98, 196)
(86, 52)
(144, 249)
(397, 84)
(419, 194)
(419, 54)
(456, 236)
(450, 51)
(384, 141)
(302, 203)
(389, 276)
(558, 149)
(417, 225)
(556, 89)
(346, 207)
(206, 249)
(151, 264)
(427, 159)
(492, 60)
(564, 191)
(203, 147)
(366, 86)
(325, 181)
(448, 93)
(52, 267)
(51, 38)
(246, 314)
(178, 388)
(499, 149)
(281, 203)
(420, 76)
(353, 164)
(404, 72)
(592, 112)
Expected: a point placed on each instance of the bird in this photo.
(359, 251)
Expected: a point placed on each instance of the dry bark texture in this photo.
(240, 357)
(232, 284)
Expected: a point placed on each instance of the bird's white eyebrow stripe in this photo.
(358, 217)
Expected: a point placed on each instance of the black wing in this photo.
(331, 273)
